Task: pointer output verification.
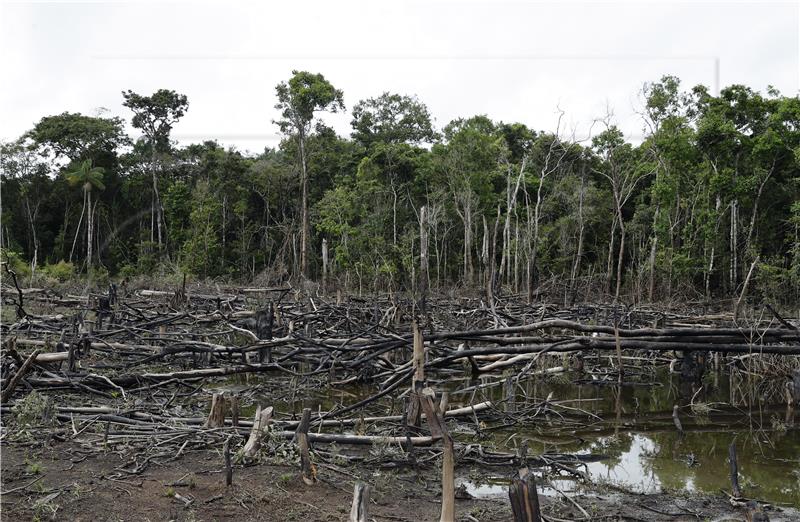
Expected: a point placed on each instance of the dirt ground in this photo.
(64, 482)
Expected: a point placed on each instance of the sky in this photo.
(515, 61)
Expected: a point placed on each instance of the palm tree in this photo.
(88, 177)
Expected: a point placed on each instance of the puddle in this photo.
(632, 426)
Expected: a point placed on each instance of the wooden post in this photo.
(360, 510)
(260, 424)
(307, 469)
(216, 414)
(524, 499)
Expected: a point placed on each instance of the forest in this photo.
(708, 197)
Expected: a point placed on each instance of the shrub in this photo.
(15, 263)
(61, 271)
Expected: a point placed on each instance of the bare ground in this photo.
(62, 482)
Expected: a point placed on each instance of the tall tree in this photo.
(298, 100)
(155, 116)
(621, 167)
(88, 177)
(79, 137)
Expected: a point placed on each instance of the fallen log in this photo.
(12, 383)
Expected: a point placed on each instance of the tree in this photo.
(621, 168)
(388, 127)
(469, 164)
(79, 137)
(298, 100)
(88, 178)
(392, 118)
(155, 116)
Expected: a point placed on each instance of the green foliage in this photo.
(156, 114)
(303, 95)
(15, 263)
(35, 409)
(86, 176)
(79, 137)
(61, 271)
(714, 183)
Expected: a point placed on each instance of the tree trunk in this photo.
(653, 249)
(89, 225)
(620, 256)
(576, 265)
(78, 229)
(304, 208)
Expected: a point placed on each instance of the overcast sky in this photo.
(513, 61)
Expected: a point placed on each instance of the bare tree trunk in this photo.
(32, 223)
(653, 249)
(713, 247)
(324, 265)
(620, 257)
(755, 210)
(90, 222)
(78, 229)
(516, 257)
(157, 202)
(535, 242)
(511, 201)
(576, 265)
(423, 258)
(467, 218)
(734, 253)
(304, 208)
(610, 261)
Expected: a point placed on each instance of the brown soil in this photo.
(73, 484)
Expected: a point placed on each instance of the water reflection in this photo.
(646, 454)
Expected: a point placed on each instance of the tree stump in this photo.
(360, 510)
(307, 469)
(524, 499)
(260, 424)
(448, 480)
(216, 415)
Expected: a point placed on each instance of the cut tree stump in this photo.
(448, 480)
(216, 415)
(360, 510)
(524, 499)
(307, 469)
(260, 425)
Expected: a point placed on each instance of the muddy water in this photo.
(631, 427)
(646, 453)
